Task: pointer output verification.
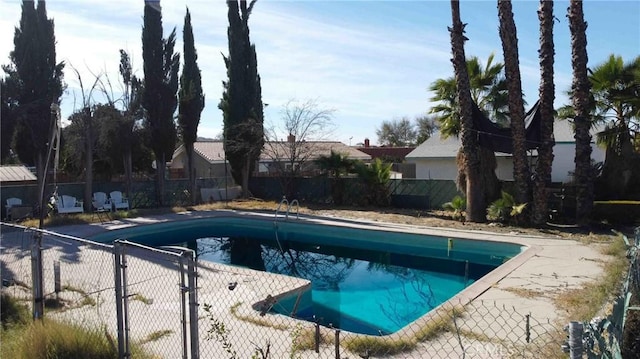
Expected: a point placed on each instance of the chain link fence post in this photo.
(337, 343)
(192, 277)
(37, 276)
(120, 266)
(575, 340)
(183, 307)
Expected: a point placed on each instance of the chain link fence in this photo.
(617, 335)
(404, 193)
(163, 301)
(155, 297)
(76, 285)
(143, 192)
(250, 313)
(130, 294)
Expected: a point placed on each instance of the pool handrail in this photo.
(275, 222)
(297, 204)
(284, 201)
(289, 205)
(275, 219)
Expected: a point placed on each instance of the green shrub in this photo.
(13, 312)
(23, 338)
(375, 176)
(379, 346)
(305, 339)
(505, 209)
(51, 339)
(457, 205)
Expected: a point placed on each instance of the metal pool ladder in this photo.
(275, 219)
(289, 205)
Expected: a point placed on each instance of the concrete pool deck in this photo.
(526, 283)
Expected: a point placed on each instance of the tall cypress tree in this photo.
(8, 116)
(159, 100)
(242, 98)
(37, 81)
(191, 99)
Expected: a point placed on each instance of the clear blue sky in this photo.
(370, 61)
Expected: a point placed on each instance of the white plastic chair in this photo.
(69, 204)
(118, 201)
(101, 202)
(13, 201)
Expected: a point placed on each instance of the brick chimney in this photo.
(291, 138)
(366, 142)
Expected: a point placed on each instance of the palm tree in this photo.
(476, 202)
(580, 97)
(489, 91)
(375, 176)
(615, 87)
(335, 165)
(547, 96)
(509, 39)
(615, 94)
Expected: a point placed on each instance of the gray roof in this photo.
(16, 174)
(435, 147)
(563, 131)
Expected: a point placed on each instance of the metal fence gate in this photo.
(132, 294)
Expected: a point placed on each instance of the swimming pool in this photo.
(363, 291)
(364, 280)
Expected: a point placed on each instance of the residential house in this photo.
(564, 151)
(209, 157)
(436, 158)
(395, 155)
(386, 153)
(281, 155)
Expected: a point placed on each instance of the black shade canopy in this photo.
(500, 139)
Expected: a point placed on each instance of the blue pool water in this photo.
(360, 291)
(366, 281)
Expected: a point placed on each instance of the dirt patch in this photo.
(432, 218)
